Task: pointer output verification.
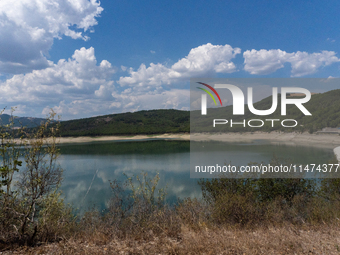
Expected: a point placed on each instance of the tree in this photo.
(34, 195)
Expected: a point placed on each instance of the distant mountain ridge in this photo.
(29, 122)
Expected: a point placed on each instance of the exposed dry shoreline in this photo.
(86, 139)
(294, 139)
(319, 140)
(305, 139)
(331, 141)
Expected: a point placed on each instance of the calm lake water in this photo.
(100, 162)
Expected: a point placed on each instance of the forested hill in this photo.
(142, 122)
(325, 109)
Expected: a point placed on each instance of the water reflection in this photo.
(171, 159)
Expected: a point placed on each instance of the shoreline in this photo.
(305, 139)
(319, 140)
(328, 141)
(87, 139)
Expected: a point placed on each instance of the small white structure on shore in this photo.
(337, 153)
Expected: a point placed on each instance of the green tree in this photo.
(30, 198)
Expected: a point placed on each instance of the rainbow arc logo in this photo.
(204, 97)
(209, 93)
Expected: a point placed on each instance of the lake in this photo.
(91, 166)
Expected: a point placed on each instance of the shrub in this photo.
(30, 208)
(193, 213)
(136, 210)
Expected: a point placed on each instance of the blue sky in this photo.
(84, 58)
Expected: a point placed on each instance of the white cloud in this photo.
(203, 60)
(68, 82)
(166, 99)
(120, 102)
(302, 63)
(207, 58)
(28, 28)
(264, 61)
(81, 87)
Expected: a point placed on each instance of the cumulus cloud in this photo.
(121, 102)
(28, 28)
(154, 99)
(302, 63)
(81, 87)
(79, 78)
(264, 61)
(203, 60)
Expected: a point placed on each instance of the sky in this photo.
(85, 58)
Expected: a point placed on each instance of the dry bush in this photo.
(193, 213)
(236, 209)
(31, 210)
(137, 210)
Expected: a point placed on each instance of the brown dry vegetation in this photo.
(290, 239)
(193, 227)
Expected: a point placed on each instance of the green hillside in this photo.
(142, 122)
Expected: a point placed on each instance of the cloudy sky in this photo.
(85, 58)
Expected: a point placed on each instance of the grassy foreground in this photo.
(234, 217)
(323, 239)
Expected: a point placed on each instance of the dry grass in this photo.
(194, 228)
(322, 239)
(230, 224)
